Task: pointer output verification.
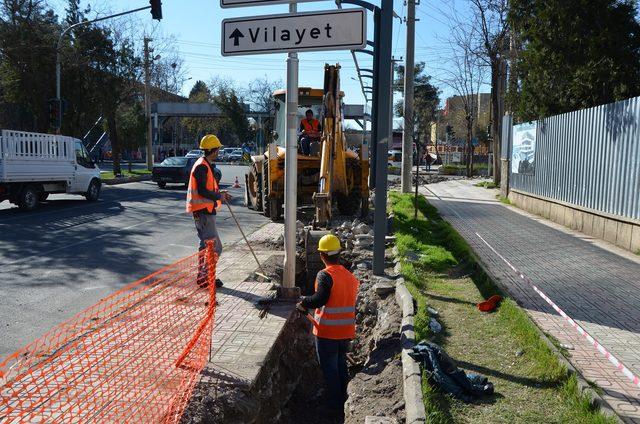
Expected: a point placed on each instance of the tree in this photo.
(260, 95)
(234, 124)
(28, 32)
(465, 77)
(575, 54)
(493, 32)
(426, 98)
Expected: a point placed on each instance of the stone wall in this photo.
(622, 232)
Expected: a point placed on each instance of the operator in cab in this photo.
(309, 132)
(204, 198)
(334, 321)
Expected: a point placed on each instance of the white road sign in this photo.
(243, 3)
(312, 31)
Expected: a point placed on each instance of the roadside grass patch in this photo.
(109, 175)
(530, 382)
(487, 184)
(503, 199)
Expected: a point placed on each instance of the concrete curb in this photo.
(124, 180)
(411, 374)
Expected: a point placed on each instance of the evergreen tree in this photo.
(575, 54)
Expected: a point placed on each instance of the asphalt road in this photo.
(70, 253)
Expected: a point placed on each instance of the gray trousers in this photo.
(206, 228)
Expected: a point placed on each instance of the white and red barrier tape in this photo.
(615, 361)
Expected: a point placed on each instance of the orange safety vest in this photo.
(311, 126)
(337, 319)
(195, 201)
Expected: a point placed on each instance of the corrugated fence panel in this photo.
(589, 158)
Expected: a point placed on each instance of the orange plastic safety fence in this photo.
(134, 357)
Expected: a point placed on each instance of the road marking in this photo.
(95, 287)
(32, 215)
(92, 239)
(181, 245)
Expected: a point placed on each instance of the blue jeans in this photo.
(332, 355)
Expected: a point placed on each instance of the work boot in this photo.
(219, 283)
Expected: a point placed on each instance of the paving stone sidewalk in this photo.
(595, 283)
(241, 338)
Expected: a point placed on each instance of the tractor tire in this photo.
(254, 189)
(265, 189)
(28, 197)
(275, 209)
(349, 205)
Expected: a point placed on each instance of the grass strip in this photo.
(530, 382)
(109, 175)
(487, 184)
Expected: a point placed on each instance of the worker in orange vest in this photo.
(334, 321)
(310, 131)
(203, 199)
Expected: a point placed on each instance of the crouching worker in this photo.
(203, 199)
(334, 322)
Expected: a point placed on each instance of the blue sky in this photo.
(196, 27)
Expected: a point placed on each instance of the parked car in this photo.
(173, 170)
(224, 154)
(194, 153)
(236, 155)
(34, 165)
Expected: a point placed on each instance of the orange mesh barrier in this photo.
(134, 357)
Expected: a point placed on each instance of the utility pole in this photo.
(291, 175)
(409, 70)
(384, 109)
(147, 101)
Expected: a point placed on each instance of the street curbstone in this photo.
(411, 374)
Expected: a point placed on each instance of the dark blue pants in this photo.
(332, 355)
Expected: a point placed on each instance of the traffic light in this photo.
(55, 112)
(156, 9)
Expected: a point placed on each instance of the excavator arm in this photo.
(333, 174)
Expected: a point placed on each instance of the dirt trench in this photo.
(291, 390)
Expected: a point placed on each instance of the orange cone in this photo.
(236, 184)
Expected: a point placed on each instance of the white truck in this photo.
(34, 165)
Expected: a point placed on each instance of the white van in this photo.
(34, 165)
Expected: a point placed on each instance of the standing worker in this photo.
(334, 322)
(203, 199)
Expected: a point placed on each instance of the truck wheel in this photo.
(93, 192)
(28, 198)
(43, 196)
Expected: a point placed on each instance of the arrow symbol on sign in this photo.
(236, 35)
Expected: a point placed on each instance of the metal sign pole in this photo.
(291, 172)
(384, 130)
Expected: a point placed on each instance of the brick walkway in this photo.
(596, 284)
(241, 339)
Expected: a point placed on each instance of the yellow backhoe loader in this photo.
(331, 175)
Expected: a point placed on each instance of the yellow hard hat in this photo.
(329, 244)
(209, 142)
